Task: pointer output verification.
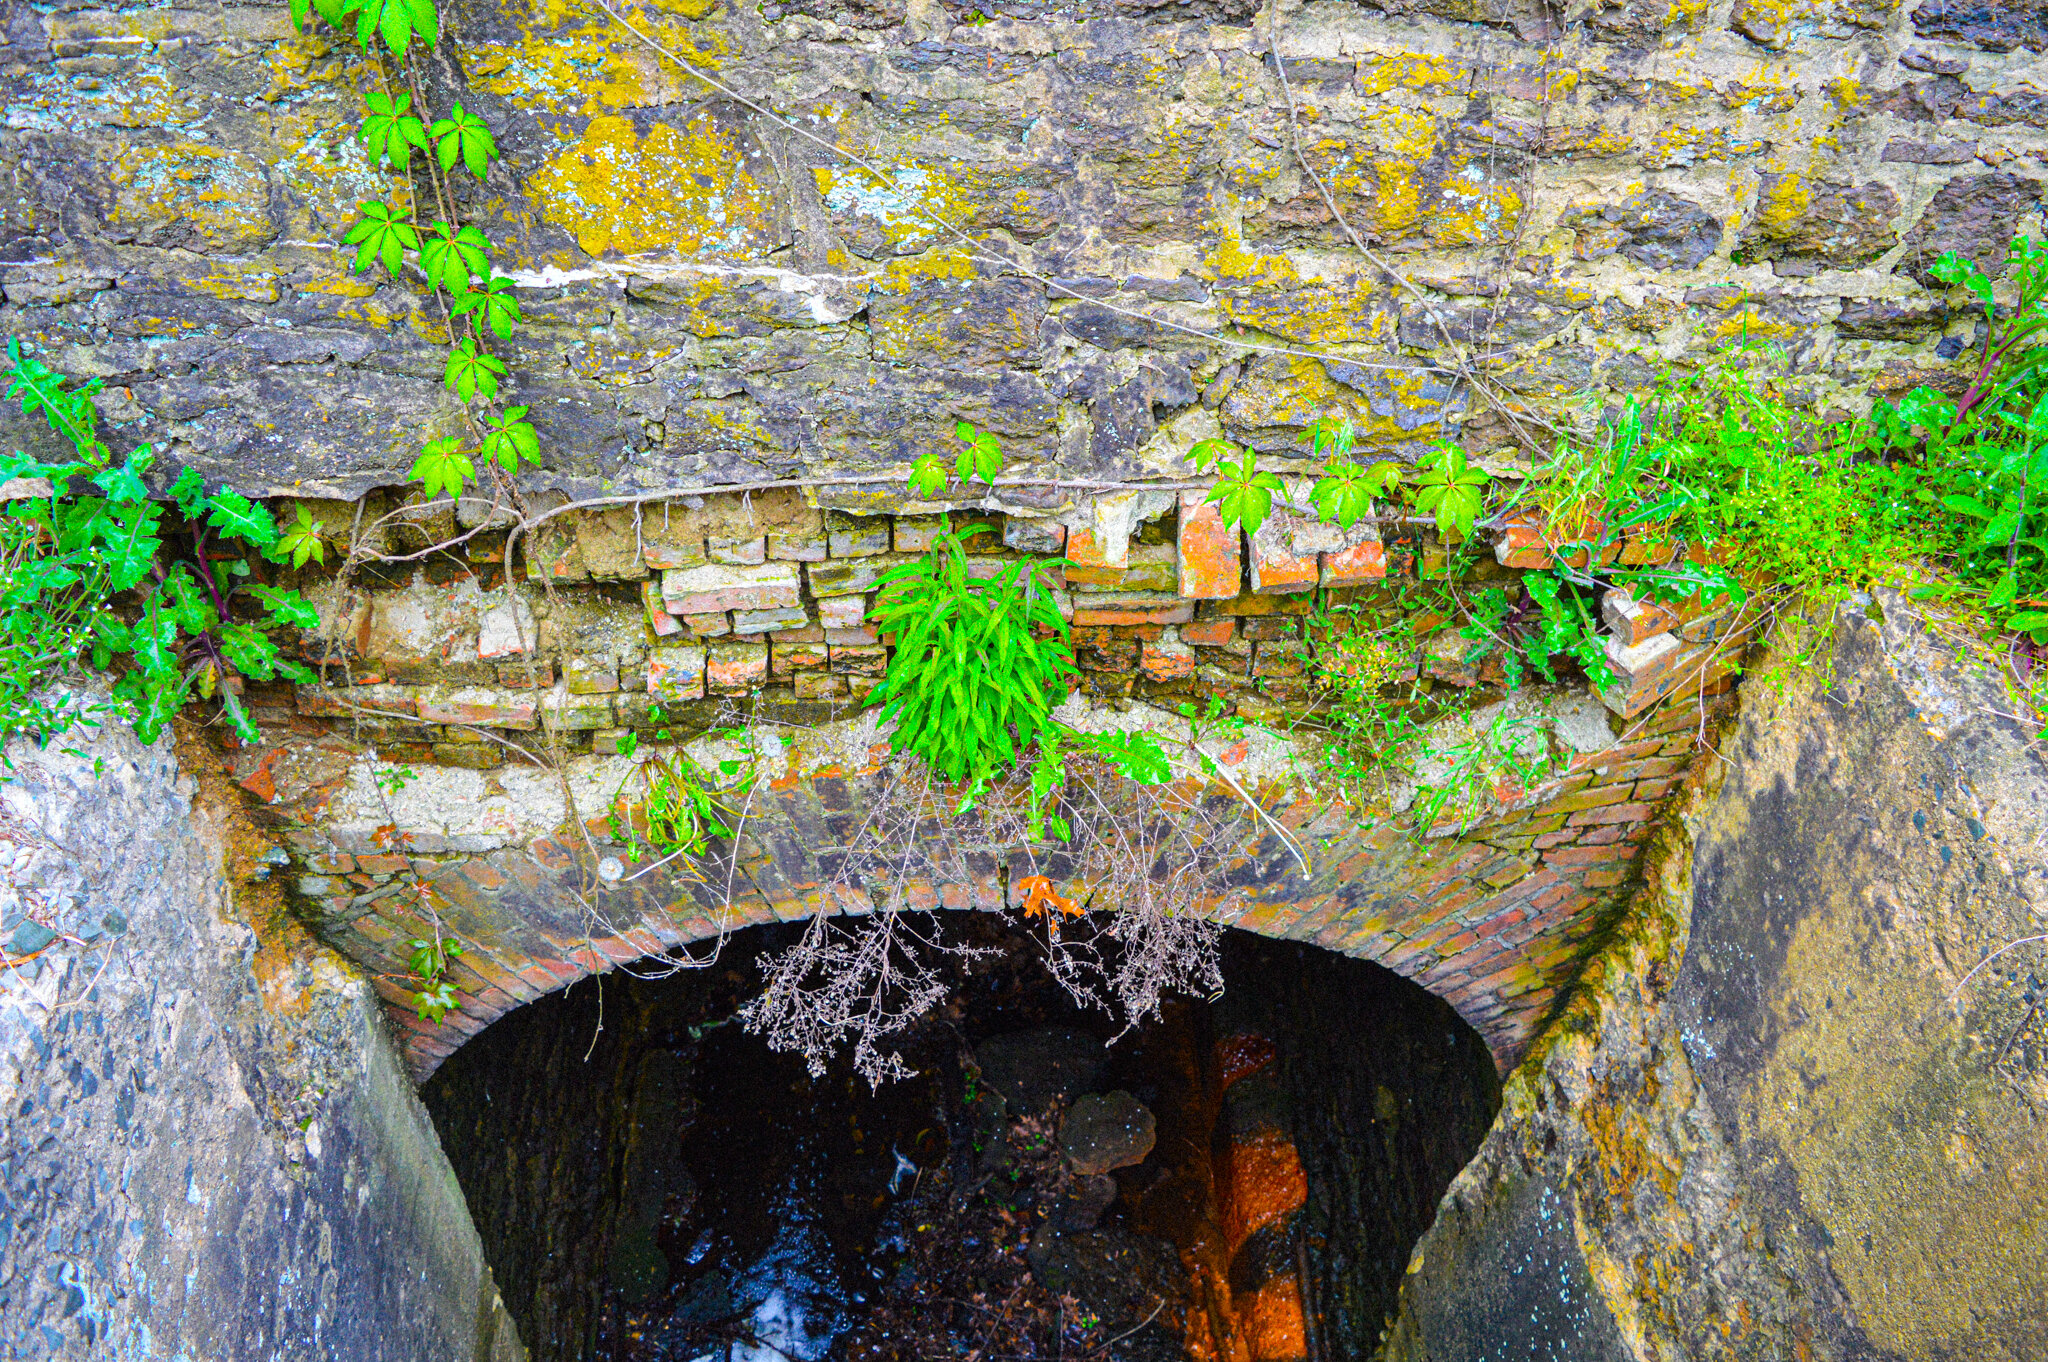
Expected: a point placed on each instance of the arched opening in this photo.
(1243, 1177)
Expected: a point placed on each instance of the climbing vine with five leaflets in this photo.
(453, 258)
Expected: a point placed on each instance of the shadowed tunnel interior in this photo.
(1241, 1179)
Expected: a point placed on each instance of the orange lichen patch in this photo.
(1274, 1329)
(1263, 1182)
(1242, 1055)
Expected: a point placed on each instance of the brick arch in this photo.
(1494, 919)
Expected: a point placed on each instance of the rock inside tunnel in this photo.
(1241, 1178)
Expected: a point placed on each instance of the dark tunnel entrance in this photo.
(1242, 1180)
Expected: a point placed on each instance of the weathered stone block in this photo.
(591, 674)
(859, 660)
(1034, 536)
(673, 546)
(797, 548)
(746, 623)
(814, 685)
(533, 674)
(675, 672)
(1209, 633)
(1664, 666)
(718, 587)
(849, 536)
(736, 668)
(1252, 604)
(477, 705)
(1167, 660)
(564, 711)
(1086, 549)
(469, 756)
(842, 612)
(709, 626)
(658, 618)
(506, 629)
(1267, 628)
(1360, 560)
(751, 551)
(1635, 621)
(786, 660)
(846, 578)
(339, 702)
(1133, 607)
(1209, 560)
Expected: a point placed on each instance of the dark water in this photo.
(651, 1183)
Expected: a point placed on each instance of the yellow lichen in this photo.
(212, 196)
(563, 46)
(687, 189)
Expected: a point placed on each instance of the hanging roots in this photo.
(1131, 908)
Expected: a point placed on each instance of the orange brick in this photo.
(1280, 564)
(1615, 813)
(1361, 561)
(1085, 550)
(1578, 856)
(1206, 634)
(1211, 560)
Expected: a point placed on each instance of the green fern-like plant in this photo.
(978, 665)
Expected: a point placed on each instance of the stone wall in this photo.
(1577, 195)
(212, 1148)
(1772, 1119)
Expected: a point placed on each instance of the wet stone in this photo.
(1115, 1130)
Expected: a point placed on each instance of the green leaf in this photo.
(189, 491)
(440, 468)
(2004, 592)
(237, 517)
(130, 544)
(125, 483)
(1345, 493)
(383, 234)
(1332, 434)
(71, 413)
(452, 257)
(496, 307)
(511, 440)
(1205, 453)
(2028, 620)
(1243, 495)
(472, 372)
(190, 607)
(397, 22)
(249, 651)
(391, 134)
(465, 137)
(300, 541)
(927, 477)
(1452, 490)
(982, 459)
(1136, 755)
(287, 607)
(1953, 269)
